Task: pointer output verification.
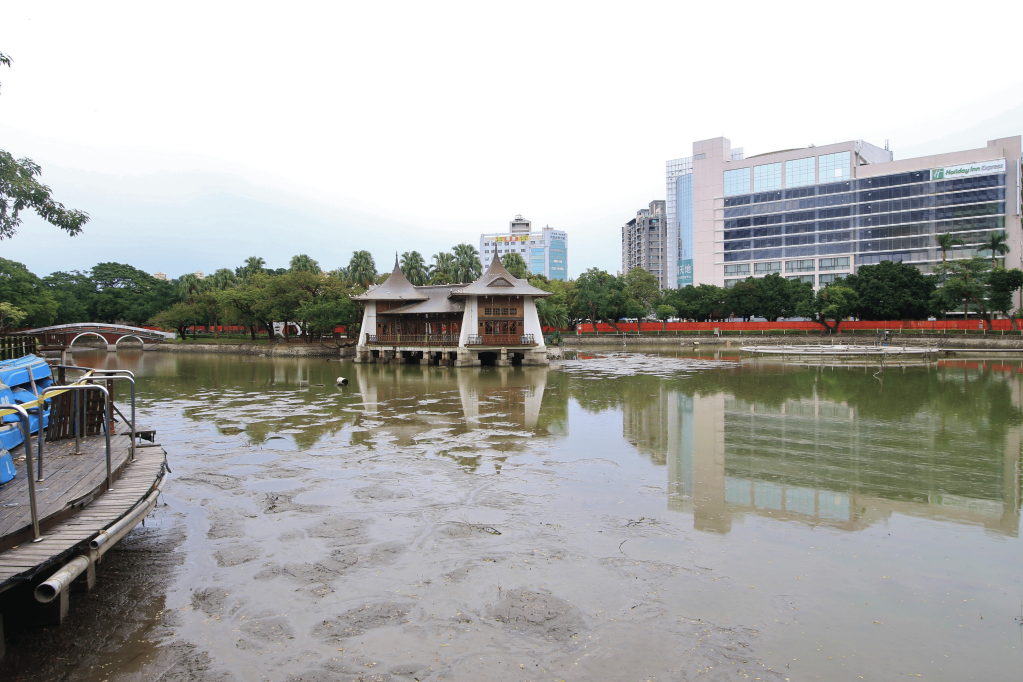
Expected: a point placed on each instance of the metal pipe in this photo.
(76, 388)
(27, 428)
(59, 581)
(107, 538)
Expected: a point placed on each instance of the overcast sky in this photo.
(197, 134)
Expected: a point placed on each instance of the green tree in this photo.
(467, 263)
(665, 313)
(303, 263)
(516, 265)
(19, 190)
(833, 303)
(997, 244)
(1002, 284)
(75, 293)
(27, 292)
(551, 314)
(414, 268)
(945, 242)
(444, 269)
(592, 290)
(177, 317)
(253, 265)
(329, 307)
(891, 291)
(743, 299)
(10, 316)
(963, 283)
(362, 269)
(643, 288)
(779, 296)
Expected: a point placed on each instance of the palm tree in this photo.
(996, 244)
(189, 285)
(551, 314)
(443, 268)
(220, 280)
(253, 264)
(945, 242)
(467, 263)
(303, 263)
(362, 269)
(414, 268)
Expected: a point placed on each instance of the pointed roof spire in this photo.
(497, 280)
(396, 288)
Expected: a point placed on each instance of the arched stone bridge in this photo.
(61, 336)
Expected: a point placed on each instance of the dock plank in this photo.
(71, 535)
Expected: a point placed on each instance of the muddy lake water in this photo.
(617, 517)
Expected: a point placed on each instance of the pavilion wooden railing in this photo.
(412, 339)
(14, 347)
(501, 340)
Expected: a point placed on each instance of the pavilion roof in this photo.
(438, 301)
(395, 288)
(497, 281)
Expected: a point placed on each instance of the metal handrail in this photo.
(78, 442)
(130, 377)
(27, 428)
(110, 377)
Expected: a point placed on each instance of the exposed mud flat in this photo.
(446, 525)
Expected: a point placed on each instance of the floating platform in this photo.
(836, 351)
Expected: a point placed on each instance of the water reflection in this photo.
(836, 446)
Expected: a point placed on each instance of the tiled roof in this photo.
(497, 281)
(395, 288)
(438, 302)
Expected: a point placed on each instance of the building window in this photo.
(512, 311)
(833, 167)
(729, 283)
(800, 172)
(486, 311)
(738, 269)
(799, 265)
(767, 268)
(808, 279)
(830, 279)
(737, 181)
(834, 263)
(767, 177)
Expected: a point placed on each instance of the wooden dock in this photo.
(73, 507)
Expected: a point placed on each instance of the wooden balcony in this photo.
(412, 339)
(502, 340)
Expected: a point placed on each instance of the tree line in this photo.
(251, 295)
(255, 297)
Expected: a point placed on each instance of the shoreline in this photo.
(989, 342)
(274, 350)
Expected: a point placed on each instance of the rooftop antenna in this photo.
(886, 145)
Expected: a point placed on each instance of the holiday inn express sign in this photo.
(970, 169)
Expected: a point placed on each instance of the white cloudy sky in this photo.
(197, 134)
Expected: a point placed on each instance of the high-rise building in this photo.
(819, 213)
(545, 252)
(644, 244)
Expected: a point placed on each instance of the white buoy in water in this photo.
(342, 381)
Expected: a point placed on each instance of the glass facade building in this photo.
(818, 214)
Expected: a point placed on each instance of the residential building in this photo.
(545, 251)
(162, 276)
(819, 213)
(644, 244)
(490, 321)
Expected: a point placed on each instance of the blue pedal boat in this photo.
(21, 382)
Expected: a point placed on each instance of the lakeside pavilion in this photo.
(491, 321)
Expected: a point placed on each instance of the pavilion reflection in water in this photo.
(511, 397)
(822, 462)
